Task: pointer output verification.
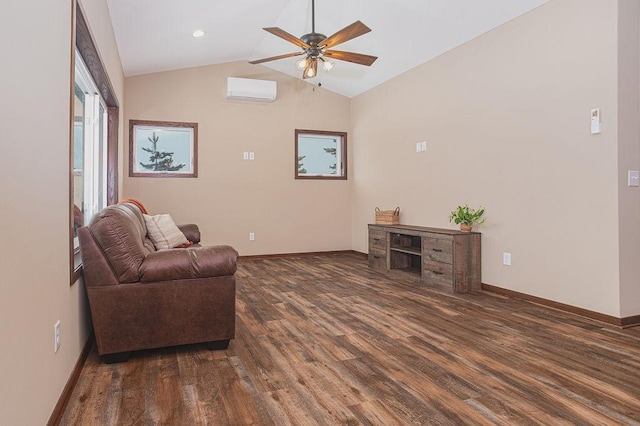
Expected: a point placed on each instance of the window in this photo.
(89, 150)
(94, 138)
(320, 154)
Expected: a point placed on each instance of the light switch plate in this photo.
(595, 121)
(633, 178)
(424, 145)
(251, 156)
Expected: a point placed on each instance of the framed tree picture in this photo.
(163, 149)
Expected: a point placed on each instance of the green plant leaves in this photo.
(467, 216)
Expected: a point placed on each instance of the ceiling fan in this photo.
(315, 47)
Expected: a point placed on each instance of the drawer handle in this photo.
(437, 250)
(376, 239)
(437, 273)
(377, 257)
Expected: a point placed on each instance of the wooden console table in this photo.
(443, 258)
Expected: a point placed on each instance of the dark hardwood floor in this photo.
(321, 340)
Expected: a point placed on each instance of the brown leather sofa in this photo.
(141, 298)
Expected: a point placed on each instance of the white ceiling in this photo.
(155, 35)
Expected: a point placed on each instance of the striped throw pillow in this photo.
(163, 232)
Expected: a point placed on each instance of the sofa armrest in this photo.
(191, 231)
(197, 262)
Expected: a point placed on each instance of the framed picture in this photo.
(163, 149)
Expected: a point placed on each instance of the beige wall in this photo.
(232, 197)
(629, 154)
(34, 189)
(506, 117)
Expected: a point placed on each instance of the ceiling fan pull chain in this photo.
(313, 16)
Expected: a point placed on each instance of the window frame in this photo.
(341, 154)
(82, 41)
(94, 150)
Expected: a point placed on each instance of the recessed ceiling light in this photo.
(198, 33)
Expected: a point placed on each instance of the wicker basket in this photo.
(388, 217)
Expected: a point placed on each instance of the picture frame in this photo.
(163, 149)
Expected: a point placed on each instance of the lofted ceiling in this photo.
(156, 35)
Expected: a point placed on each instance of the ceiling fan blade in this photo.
(356, 58)
(347, 33)
(286, 36)
(275, 58)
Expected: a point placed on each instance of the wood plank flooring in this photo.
(321, 340)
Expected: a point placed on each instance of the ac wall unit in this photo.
(248, 89)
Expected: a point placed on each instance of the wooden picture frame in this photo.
(163, 149)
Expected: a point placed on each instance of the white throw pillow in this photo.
(163, 232)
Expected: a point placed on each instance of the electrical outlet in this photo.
(506, 259)
(245, 155)
(56, 336)
(252, 236)
(252, 155)
(424, 145)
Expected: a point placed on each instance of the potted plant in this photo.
(467, 218)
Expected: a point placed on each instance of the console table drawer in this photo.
(437, 273)
(377, 259)
(437, 249)
(378, 240)
(438, 268)
(438, 279)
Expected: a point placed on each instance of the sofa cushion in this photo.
(118, 231)
(139, 220)
(163, 232)
(198, 262)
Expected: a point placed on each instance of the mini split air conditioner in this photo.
(247, 89)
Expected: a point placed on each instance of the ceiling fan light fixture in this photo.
(327, 65)
(302, 64)
(312, 70)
